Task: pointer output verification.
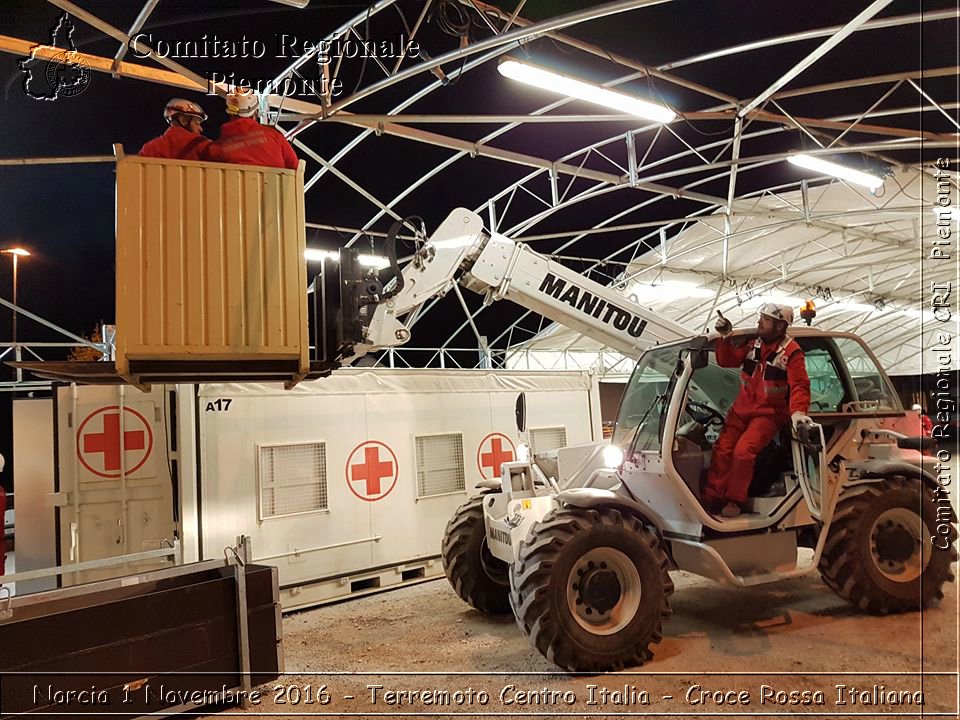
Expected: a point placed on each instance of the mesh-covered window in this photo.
(440, 464)
(293, 479)
(548, 438)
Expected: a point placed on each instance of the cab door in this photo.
(809, 463)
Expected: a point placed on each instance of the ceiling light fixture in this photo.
(811, 162)
(948, 214)
(667, 291)
(566, 85)
(757, 300)
(373, 261)
(294, 3)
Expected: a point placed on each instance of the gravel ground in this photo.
(791, 636)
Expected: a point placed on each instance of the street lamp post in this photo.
(16, 253)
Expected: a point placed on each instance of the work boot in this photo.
(730, 510)
(712, 504)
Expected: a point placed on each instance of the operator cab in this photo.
(845, 382)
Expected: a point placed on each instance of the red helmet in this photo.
(179, 106)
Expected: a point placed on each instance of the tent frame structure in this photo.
(623, 161)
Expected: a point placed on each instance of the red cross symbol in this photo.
(497, 455)
(365, 465)
(106, 443)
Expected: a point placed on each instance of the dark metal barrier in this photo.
(168, 640)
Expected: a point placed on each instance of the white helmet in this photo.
(179, 106)
(777, 312)
(917, 407)
(242, 102)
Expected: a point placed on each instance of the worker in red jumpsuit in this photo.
(245, 141)
(926, 424)
(773, 385)
(183, 139)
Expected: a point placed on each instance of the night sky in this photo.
(64, 214)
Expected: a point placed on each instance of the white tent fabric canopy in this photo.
(856, 254)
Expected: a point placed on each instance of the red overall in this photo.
(245, 141)
(773, 385)
(177, 144)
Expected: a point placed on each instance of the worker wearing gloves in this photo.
(245, 141)
(773, 386)
(183, 139)
(926, 424)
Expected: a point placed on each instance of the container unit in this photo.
(346, 484)
(343, 484)
(211, 277)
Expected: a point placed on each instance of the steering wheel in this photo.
(709, 416)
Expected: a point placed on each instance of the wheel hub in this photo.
(603, 591)
(895, 543)
(600, 589)
(900, 544)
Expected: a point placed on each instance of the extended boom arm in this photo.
(461, 250)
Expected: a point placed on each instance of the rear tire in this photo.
(590, 589)
(475, 574)
(879, 555)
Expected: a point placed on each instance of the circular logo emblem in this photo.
(372, 470)
(99, 441)
(494, 450)
(66, 75)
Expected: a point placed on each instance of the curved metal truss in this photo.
(610, 207)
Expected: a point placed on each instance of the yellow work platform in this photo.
(211, 277)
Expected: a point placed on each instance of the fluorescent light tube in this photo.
(314, 255)
(374, 261)
(853, 307)
(565, 85)
(811, 162)
(667, 291)
(951, 214)
(757, 300)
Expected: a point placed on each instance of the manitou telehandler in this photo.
(579, 543)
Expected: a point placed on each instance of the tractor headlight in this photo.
(612, 456)
(523, 452)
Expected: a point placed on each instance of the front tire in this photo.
(479, 578)
(590, 589)
(879, 554)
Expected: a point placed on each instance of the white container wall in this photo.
(33, 470)
(344, 484)
(347, 483)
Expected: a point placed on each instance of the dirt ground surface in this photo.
(420, 651)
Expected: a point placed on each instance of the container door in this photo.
(114, 494)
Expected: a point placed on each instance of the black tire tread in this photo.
(840, 563)
(461, 561)
(532, 574)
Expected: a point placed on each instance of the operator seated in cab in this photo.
(773, 385)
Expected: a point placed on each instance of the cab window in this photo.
(869, 383)
(645, 401)
(826, 384)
